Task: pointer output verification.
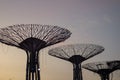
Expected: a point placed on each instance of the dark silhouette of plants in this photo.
(32, 38)
(76, 54)
(103, 68)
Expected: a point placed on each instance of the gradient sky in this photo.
(90, 21)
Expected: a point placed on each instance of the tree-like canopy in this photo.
(114, 64)
(83, 51)
(102, 67)
(47, 35)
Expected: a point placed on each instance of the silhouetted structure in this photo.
(32, 38)
(76, 54)
(103, 68)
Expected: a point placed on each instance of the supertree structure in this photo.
(116, 64)
(116, 67)
(103, 68)
(76, 54)
(32, 38)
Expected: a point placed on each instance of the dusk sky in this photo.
(90, 21)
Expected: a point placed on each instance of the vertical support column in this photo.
(104, 76)
(107, 77)
(27, 66)
(77, 72)
(32, 66)
(38, 67)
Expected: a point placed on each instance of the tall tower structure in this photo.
(103, 68)
(76, 54)
(32, 38)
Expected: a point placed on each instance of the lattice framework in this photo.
(14, 35)
(76, 54)
(32, 38)
(103, 68)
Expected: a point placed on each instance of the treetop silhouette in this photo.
(32, 38)
(76, 54)
(17, 34)
(103, 68)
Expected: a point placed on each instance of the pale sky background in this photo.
(90, 21)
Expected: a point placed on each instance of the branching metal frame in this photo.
(103, 68)
(76, 54)
(32, 38)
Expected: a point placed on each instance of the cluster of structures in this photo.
(33, 37)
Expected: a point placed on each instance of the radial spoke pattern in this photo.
(84, 50)
(76, 54)
(103, 68)
(32, 38)
(13, 35)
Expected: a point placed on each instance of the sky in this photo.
(90, 21)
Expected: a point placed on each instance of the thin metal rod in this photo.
(27, 67)
(32, 75)
(38, 68)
